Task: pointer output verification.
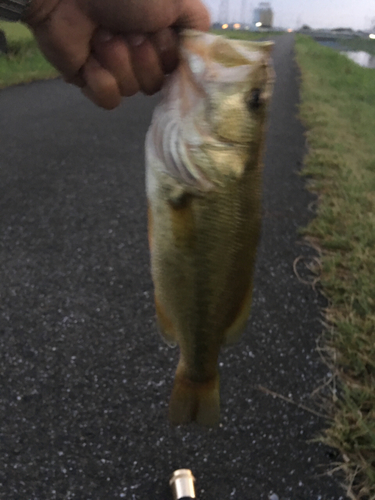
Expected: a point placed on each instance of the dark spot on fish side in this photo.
(254, 100)
(182, 218)
(179, 199)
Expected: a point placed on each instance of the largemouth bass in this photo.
(203, 177)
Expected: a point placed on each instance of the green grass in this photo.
(338, 109)
(24, 62)
(16, 32)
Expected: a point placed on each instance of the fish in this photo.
(203, 182)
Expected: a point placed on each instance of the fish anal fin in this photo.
(164, 324)
(234, 332)
(194, 401)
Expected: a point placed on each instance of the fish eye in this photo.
(254, 100)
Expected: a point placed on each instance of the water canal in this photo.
(362, 58)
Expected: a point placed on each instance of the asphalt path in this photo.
(84, 377)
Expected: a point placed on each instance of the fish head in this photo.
(232, 82)
(210, 121)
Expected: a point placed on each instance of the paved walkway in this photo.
(84, 377)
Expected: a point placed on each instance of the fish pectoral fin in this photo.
(235, 331)
(194, 401)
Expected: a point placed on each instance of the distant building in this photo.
(263, 15)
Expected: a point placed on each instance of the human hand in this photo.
(113, 48)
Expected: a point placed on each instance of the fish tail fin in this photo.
(194, 401)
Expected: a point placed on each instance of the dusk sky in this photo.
(357, 14)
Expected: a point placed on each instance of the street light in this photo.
(258, 25)
(372, 36)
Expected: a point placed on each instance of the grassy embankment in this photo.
(24, 62)
(338, 109)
